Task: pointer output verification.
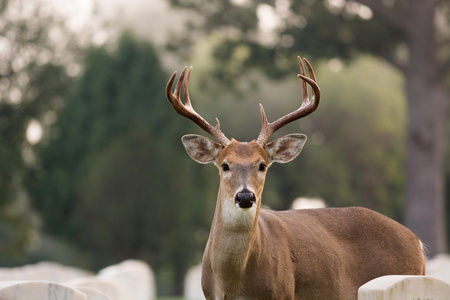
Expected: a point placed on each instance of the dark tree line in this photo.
(112, 178)
(34, 78)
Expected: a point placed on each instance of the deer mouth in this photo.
(245, 199)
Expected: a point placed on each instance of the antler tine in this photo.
(307, 107)
(187, 100)
(187, 110)
(304, 86)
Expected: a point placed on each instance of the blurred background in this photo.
(92, 170)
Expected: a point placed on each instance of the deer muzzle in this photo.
(245, 199)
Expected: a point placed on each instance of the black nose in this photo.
(245, 199)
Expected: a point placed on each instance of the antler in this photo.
(307, 107)
(187, 110)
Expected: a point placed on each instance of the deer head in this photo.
(243, 165)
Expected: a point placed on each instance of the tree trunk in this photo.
(425, 190)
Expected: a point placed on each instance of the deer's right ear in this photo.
(201, 149)
(286, 148)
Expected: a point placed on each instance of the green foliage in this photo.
(303, 27)
(114, 178)
(31, 84)
(361, 127)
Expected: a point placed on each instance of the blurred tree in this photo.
(412, 35)
(359, 161)
(33, 78)
(113, 179)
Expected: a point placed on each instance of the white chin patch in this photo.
(233, 214)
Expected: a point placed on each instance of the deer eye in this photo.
(262, 167)
(225, 167)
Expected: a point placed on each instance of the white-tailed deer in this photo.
(256, 253)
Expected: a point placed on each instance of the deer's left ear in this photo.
(286, 148)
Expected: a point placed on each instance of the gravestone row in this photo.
(131, 279)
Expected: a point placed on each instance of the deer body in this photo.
(255, 253)
(296, 255)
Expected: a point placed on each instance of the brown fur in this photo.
(315, 254)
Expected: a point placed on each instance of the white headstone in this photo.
(44, 271)
(307, 203)
(133, 278)
(93, 294)
(193, 284)
(38, 290)
(400, 287)
(95, 283)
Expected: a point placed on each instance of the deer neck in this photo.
(234, 235)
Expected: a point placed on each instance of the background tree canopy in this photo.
(113, 178)
(34, 76)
